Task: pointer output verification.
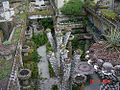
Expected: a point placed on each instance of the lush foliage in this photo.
(6, 43)
(109, 14)
(46, 22)
(73, 7)
(36, 57)
(40, 40)
(54, 87)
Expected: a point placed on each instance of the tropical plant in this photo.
(113, 40)
(73, 7)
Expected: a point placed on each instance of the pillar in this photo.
(50, 38)
(53, 62)
(66, 75)
(70, 46)
(66, 37)
(59, 38)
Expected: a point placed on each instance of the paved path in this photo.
(43, 64)
(45, 82)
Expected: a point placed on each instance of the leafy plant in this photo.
(73, 7)
(75, 87)
(40, 40)
(6, 43)
(36, 57)
(113, 40)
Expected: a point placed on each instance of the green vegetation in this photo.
(40, 40)
(51, 70)
(48, 47)
(75, 87)
(5, 68)
(87, 2)
(54, 87)
(109, 14)
(46, 23)
(36, 57)
(44, 12)
(73, 7)
(6, 43)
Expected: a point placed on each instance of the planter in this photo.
(79, 78)
(24, 75)
(25, 50)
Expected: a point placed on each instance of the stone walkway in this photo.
(45, 82)
(43, 64)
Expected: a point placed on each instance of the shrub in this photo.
(73, 7)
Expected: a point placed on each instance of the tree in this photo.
(73, 7)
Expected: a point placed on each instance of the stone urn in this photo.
(79, 78)
(25, 50)
(24, 75)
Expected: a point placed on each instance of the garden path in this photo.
(45, 82)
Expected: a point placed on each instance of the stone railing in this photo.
(17, 62)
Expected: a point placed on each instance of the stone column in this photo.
(66, 37)
(59, 38)
(66, 74)
(53, 62)
(50, 38)
(70, 46)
